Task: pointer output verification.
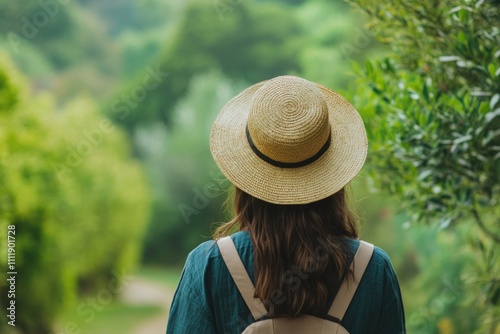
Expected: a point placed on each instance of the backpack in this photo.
(332, 323)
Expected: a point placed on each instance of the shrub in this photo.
(79, 203)
(433, 112)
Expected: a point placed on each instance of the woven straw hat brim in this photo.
(331, 172)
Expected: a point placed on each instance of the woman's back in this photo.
(216, 306)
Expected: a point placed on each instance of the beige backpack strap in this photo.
(347, 290)
(240, 277)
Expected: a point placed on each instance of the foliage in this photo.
(245, 42)
(78, 202)
(433, 110)
(71, 46)
(10, 92)
(432, 297)
(51, 26)
(334, 39)
(37, 22)
(188, 189)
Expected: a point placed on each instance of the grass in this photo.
(113, 318)
(116, 317)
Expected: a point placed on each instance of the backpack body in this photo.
(305, 324)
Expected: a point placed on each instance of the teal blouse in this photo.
(208, 302)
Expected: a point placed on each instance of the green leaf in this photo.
(445, 59)
(483, 108)
(479, 93)
(454, 9)
(462, 37)
(489, 116)
(375, 89)
(425, 174)
(369, 68)
(425, 92)
(492, 70)
(479, 3)
(444, 223)
(494, 100)
(462, 139)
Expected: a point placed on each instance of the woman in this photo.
(289, 146)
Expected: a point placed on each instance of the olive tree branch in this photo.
(483, 227)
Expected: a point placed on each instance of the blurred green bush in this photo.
(79, 203)
(189, 191)
(246, 42)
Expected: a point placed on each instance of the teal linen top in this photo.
(208, 302)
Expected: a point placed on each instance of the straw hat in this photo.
(289, 141)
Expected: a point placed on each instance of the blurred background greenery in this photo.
(105, 111)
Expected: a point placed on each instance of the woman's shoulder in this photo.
(205, 263)
(208, 250)
(380, 262)
(380, 257)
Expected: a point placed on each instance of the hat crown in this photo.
(288, 119)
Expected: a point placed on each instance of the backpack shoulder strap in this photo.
(240, 276)
(347, 289)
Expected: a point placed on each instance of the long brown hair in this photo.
(300, 251)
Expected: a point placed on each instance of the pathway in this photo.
(140, 291)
